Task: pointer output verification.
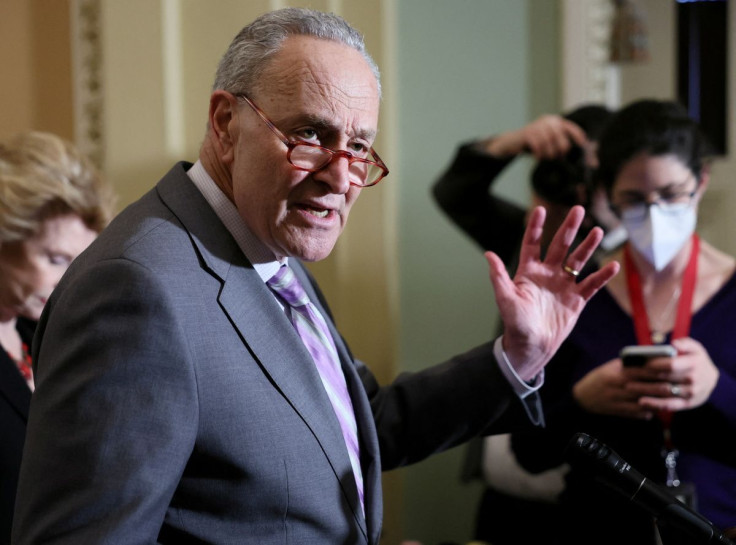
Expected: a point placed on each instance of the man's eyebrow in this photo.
(321, 123)
(367, 134)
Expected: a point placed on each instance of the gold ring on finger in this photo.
(569, 270)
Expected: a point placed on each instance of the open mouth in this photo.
(318, 213)
(315, 211)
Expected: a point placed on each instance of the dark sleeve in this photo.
(722, 396)
(463, 193)
(114, 377)
(426, 412)
(541, 449)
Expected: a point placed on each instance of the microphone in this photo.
(608, 468)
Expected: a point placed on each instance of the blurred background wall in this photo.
(468, 69)
(129, 82)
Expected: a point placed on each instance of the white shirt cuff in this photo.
(521, 387)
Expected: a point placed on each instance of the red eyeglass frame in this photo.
(333, 154)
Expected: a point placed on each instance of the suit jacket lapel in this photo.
(261, 323)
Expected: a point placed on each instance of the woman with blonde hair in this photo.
(53, 203)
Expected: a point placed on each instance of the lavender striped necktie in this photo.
(311, 327)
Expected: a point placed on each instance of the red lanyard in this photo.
(684, 309)
(684, 306)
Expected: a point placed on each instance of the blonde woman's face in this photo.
(30, 270)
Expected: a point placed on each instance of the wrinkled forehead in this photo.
(328, 78)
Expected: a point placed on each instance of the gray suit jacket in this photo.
(175, 403)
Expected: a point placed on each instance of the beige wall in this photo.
(655, 78)
(16, 110)
(36, 89)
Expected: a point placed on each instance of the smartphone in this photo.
(636, 356)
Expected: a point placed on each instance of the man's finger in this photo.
(530, 244)
(591, 284)
(580, 255)
(502, 283)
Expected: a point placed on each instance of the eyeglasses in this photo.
(362, 171)
(636, 209)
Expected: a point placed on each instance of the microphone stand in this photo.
(607, 467)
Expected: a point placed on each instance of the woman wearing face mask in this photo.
(52, 205)
(674, 418)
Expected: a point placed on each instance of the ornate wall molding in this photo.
(587, 74)
(87, 65)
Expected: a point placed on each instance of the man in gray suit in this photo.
(179, 398)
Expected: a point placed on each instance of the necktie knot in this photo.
(286, 284)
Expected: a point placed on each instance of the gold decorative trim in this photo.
(88, 80)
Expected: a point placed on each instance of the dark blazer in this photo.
(15, 399)
(180, 405)
(463, 192)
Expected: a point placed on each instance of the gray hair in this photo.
(249, 52)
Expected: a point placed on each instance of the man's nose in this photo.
(336, 174)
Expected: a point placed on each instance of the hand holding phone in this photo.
(637, 356)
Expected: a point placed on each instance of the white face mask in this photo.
(661, 231)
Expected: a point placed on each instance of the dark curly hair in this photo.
(567, 180)
(654, 127)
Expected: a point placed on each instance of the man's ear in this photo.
(223, 121)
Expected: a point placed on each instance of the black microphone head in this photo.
(605, 466)
(590, 455)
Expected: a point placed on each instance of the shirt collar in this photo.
(262, 258)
